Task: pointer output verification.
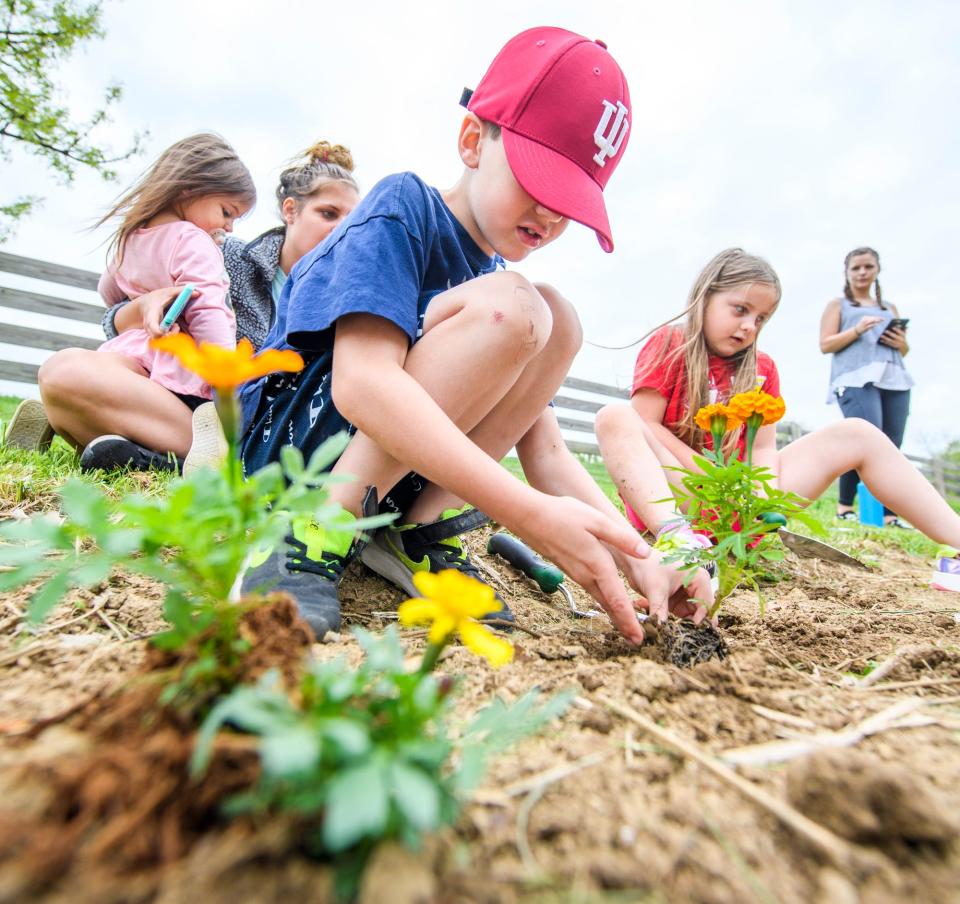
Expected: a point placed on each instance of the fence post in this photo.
(938, 477)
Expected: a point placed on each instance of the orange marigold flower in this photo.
(704, 417)
(225, 369)
(746, 404)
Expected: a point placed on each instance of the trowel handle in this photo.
(520, 556)
(774, 520)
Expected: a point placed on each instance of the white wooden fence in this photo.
(62, 317)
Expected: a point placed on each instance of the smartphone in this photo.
(898, 323)
(176, 309)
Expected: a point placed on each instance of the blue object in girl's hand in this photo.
(176, 309)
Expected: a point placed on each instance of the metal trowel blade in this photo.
(807, 546)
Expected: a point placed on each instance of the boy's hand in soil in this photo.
(579, 539)
(663, 589)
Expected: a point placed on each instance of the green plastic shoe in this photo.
(309, 566)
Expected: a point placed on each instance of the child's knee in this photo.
(617, 421)
(861, 430)
(61, 374)
(517, 313)
(567, 333)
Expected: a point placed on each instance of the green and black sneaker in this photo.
(398, 552)
(309, 566)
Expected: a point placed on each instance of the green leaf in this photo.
(384, 653)
(469, 773)
(291, 459)
(497, 726)
(351, 738)
(44, 600)
(706, 466)
(357, 806)
(290, 751)
(256, 709)
(416, 795)
(426, 694)
(22, 574)
(93, 571)
(84, 504)
(328, 452)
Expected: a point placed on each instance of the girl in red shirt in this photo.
(711, 357)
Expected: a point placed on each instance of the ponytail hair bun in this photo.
(324, 152)
(320, 163)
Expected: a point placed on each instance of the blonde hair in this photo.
(730, 269)
(202, 164)
(324, 163)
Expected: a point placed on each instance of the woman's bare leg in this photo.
(88, 394)
(810, 464)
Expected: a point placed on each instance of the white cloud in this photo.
(797, 130)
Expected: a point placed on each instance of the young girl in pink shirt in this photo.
(197, 187)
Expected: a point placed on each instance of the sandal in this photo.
(847, 516)
(898, 522)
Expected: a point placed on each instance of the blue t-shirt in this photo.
(400, 247)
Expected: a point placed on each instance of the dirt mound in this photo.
(108, 792)
(591, 810)
(872, 802)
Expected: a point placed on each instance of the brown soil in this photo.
(592, 810)
(104, 790)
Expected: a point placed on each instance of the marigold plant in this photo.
(226, 369)
(196, 540)
(734, 501)
(362, 755)
(451, 604)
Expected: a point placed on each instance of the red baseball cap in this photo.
(563, 105)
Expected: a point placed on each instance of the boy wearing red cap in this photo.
(438, 361)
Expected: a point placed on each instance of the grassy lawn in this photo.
(849, 536)
(31, 481)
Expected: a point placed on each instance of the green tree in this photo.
(35, 37)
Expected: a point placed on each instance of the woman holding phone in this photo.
(867, 338)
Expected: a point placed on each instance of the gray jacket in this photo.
(251, 267)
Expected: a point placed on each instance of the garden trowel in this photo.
(810, 548)
(547, 577)
(807, 546)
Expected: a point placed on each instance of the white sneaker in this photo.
(947, 575)
(209, 446)
(29, 428)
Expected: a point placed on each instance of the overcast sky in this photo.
(796, 130)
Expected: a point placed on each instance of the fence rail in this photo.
(944, 475)
(576, 407)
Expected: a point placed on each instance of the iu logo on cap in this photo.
(608, 137)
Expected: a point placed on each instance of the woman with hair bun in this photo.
(868, 379)
(315, 193)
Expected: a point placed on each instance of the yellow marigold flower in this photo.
(451, 603)
(745, 404)
(223, 368)
(704, 417)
